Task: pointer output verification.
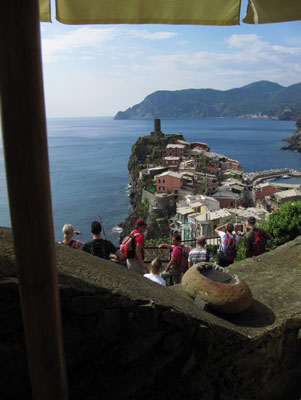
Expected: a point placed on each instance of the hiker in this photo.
(255, 239)
(69, 232)
(176, 265)
(100, 247)
(200, 253)
(136, 263)
(155, 269)
(229, 240)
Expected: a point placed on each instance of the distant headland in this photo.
(261, 99)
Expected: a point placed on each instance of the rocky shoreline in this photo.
(294, 139)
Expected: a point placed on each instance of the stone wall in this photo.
(166, 203)
(129, 338)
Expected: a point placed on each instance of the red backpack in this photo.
(259, 242)
(230, 246)
(183, 265)
(128, 245)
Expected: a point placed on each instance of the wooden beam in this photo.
(28, 182)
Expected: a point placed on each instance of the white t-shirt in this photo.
(223, 237)
(155, 278)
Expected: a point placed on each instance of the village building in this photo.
(241, 215)
(231, 174)
(179, 221)
(227, 198)
(171, 162)
(186, 144)
(151, 172)
(228, 163)
(200, 145)
(263, 194)
(207, 203)
(205, 224)
(260, 191)
(169, 182)
(279, 198)
(160, 201)
(175, 150)
(207, 183)
(187, 166)
(237, 187)
(188, 181)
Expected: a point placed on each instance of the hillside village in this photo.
(194, 190)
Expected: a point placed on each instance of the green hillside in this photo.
(260, 98)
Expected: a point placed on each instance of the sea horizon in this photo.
(89, 155)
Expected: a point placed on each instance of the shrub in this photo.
(285, 223)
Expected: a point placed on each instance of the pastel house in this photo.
(169, 182)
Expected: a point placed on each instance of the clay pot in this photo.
(222, 290)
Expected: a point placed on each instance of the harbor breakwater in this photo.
(257, 176)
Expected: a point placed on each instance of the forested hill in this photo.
(256, 99)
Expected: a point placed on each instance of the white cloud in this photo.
(63, 45)
(243, 41)
(150, 35)
(119, 66)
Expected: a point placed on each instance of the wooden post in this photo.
(27, 169)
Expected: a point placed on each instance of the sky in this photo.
(98, 70)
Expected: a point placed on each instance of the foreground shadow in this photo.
(256, 316)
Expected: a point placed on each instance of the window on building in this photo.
(161, 188)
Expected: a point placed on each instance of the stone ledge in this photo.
(128, 338)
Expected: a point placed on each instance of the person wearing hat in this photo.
(69, 233)
(255, 239)
(137, 263)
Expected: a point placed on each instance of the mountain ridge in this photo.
(262, 98)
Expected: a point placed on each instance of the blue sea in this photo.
(89, 156)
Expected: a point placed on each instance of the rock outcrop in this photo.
(147, 150)
(129, 338)
(294, 139)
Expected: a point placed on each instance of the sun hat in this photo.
(140, 222)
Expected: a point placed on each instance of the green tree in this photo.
(241, 251)
(285, 223)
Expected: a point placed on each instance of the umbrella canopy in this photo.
(196, 12)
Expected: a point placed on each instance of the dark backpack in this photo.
(71, 243)
(128, 245)
(98, 249)
(183, 266)
(259, 242)
(230, 245)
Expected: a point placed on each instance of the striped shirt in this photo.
(200, 255)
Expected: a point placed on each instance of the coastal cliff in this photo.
(147, 151)
(294, 139)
